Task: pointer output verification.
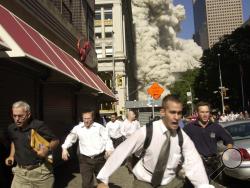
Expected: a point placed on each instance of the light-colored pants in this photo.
(40, 177)
(175, 183)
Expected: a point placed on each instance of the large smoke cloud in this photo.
(160, 54)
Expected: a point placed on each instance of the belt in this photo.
(30, 167)
(95, 156)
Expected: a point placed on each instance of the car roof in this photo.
(229, 123)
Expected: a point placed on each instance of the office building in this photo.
(215, 18)
(114, 41)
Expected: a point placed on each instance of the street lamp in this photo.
(190, 94)
(221, 87)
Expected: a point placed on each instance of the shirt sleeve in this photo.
(9, 132)
(108, 127)
(131, 145)
(123, 132)
(193, 165)
(224, 135)
(70, 139)
(106, 139)
(138, 125)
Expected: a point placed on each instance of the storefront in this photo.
(32, 68)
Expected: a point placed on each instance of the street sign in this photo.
(155, 90)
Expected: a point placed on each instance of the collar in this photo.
(163, 128)
(83, 126)
(196, 122)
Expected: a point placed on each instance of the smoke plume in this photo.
(160, 54)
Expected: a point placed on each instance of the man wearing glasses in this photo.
(31, 170)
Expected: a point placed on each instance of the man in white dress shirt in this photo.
(130, 124)
(144, 169)
(114, 130)
(94, 146)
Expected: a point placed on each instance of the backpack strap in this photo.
(149, 133)
(180, 138)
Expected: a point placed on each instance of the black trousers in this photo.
(90, 167)
(117, 141)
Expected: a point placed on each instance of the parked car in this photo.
(240, 132)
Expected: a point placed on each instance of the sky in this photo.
(188, 24)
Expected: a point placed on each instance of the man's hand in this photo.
(102, 185)
(65, 154)
(43, 151)
(9, 161)
(107, 154)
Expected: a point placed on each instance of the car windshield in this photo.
(240, 130)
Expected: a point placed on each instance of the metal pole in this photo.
(191, 94)
(153, 108)
(113, 62)
(191, 98)
(242, 88)
(221, 87)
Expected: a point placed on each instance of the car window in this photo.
(239, 130)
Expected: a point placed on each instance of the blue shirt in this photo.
(205, 139)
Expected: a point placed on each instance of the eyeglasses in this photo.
(19, 116)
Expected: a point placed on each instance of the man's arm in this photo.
(44, 151)
(126, 148)
(109, 148)
(10, 160)
(225, 137)
(122, 129)
(45, 132)
(69, 141)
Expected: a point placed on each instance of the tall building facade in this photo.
(215, 18)
(114, 41)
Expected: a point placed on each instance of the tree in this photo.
(235, 62)
(182, 86)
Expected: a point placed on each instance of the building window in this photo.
(109, 51)
(108, 16)
(108, 13)
(98, 50)
(98, 35)
(108, 34)
(97, 15)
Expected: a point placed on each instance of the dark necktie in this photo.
(161, 162)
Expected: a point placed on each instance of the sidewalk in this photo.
(68, 176)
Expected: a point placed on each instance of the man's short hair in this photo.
(89, 111)
(202, 103)
(114, 114)
(135, 112)
(172, 98)
(21, 104)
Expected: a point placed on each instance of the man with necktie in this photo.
(157, 168)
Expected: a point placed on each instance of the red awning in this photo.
(36, 47)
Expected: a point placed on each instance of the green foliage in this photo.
(234, 53)
(183, 84)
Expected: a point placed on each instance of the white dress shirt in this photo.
(114, 129)
(92, 141)
(192, 166)
(128, 127)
